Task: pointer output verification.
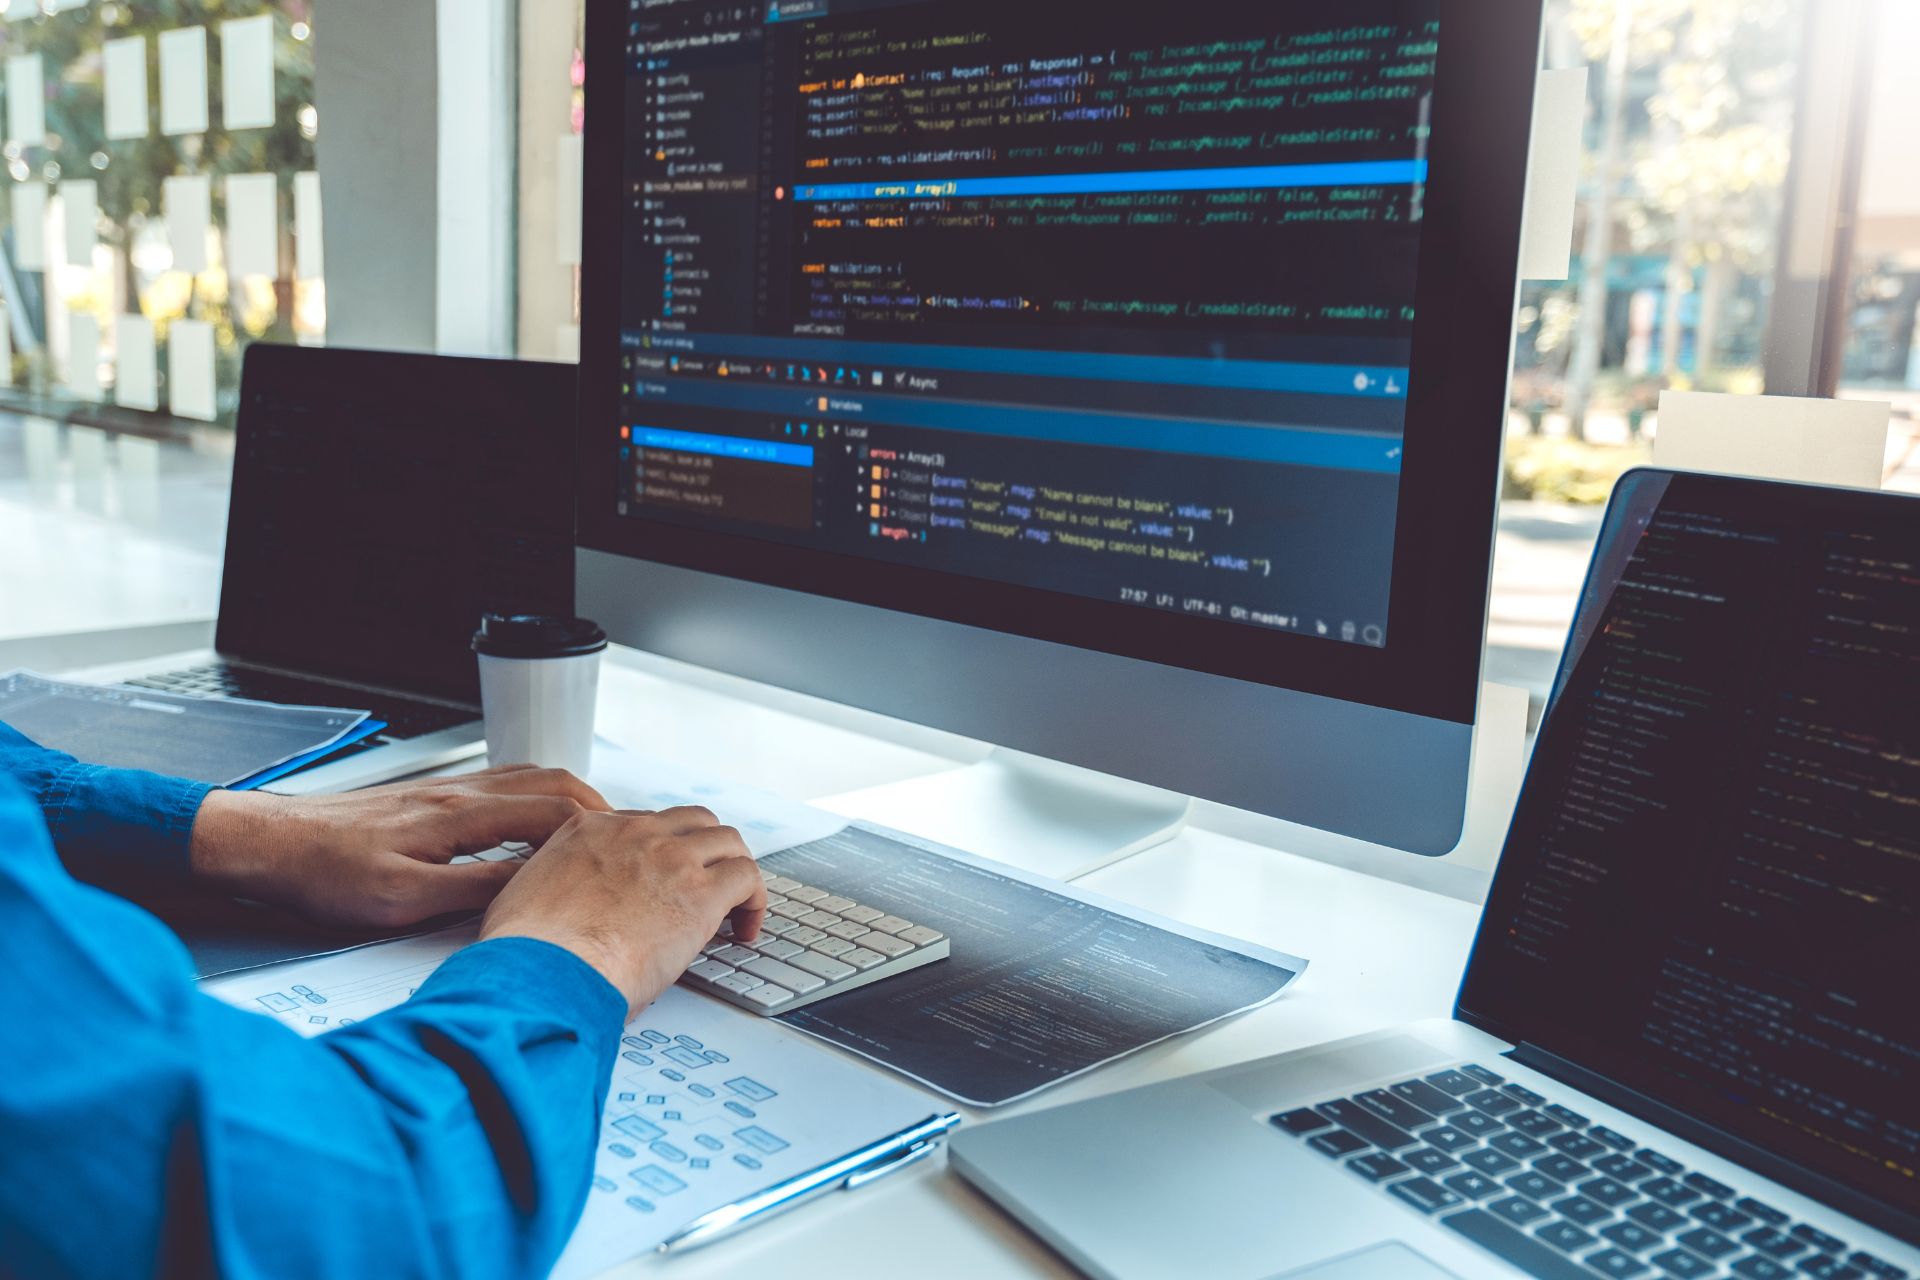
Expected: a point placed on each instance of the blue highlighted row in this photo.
(787, 455)
(1384, 173)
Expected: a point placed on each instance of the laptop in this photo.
(1687, 1043)
(381, 503)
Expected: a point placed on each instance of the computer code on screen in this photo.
(1723, 866)
(1109, 300)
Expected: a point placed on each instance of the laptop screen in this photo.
(382, 502)
(1710, 888)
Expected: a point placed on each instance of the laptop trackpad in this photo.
(1382, 1262)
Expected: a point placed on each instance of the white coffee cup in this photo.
(539, 677)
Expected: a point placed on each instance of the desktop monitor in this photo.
(1121, 384)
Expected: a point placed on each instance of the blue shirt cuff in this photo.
(532, 976)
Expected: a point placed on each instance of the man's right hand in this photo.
(635, 895)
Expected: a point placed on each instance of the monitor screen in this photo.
(980, 307)
(1711, 889)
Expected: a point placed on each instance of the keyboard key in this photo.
(1757, 1266)
(711, 970)
(1386, 1136)
(804, 935)
(1565, 1237)
(1678, 1262)
(1427, 1098)
(1719, 1216)
(1608, 1192)
(861, 915)
(778, 948)
(1514, 1247)
(884, 944)
(785, 975)
(778, 926)
(769, 995)
(1517, 1145)
(889, 924)
(738, 983)
(1377, 1166)
(1536, 1186)
(1612, 1262)
(1622, 1168)
(847, 929)
(1582, 1210)
(1535, 1124)
(1474, 1186)
(1523, 1093)
(1393, 1109)
(791, 910)
(1708, 1243)
(1424, 1194)
(1826, 1267)
(835, 947)
(1337, 1143)
(1633, 1236)
(1518, 1210)
(1489, 1162)
(1492, 1102)
(1701, 1182)
(719, 942)
(1483, 1075)
(1667, 1191)
(1765, 1212)
(1477, 1123)
(822, 966)
(835, 903)
(783, 885)
(735, 956)
(1618, 1141)
(862, 958)
(1577, 1145)
(1814, 1236)
(1663, 1164)
(1448, 1139)
(1566, 1116)
(1300, 1120)
(919, 935)
(1874, 1266)
(805, 893)
(1562, 1168)
(1427, 1160)
(1656, 1217)
(1773, 1243)
(1453, 1083)
(821, 920)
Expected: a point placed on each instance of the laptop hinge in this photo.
(1722, 1143)
(316, 678)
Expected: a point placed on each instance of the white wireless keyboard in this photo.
(814, 944)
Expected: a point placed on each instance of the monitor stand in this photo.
(1040, 815)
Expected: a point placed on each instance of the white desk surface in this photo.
(1381, 953)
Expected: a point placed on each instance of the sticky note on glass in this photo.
(136, 378)
(189, 204)
(308, 242)
(246, 72)
(570, 171)
(1553, 174)
(26, 100)
(30, 226)
(83, 356)
(6, 347)
(190, 370)
(253, 248)
(125, 63)
(1774, 437)
(80, 201)
(183, 80)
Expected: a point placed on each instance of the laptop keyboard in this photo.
(1554, 1195)
(405, 717)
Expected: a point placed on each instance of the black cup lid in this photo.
(524, 635)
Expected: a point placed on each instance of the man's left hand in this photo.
(379, 857)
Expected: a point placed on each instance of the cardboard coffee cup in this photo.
(539, 677)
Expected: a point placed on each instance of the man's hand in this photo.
(635, 895)
(379, 857)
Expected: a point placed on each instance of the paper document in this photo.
(1045, 981)
(707, 1104)
(767, 822)
(216, 740)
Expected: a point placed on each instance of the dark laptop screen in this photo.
(1710, 888)
(382, 502)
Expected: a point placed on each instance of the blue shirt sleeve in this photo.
(173, 1134)
(122, 829)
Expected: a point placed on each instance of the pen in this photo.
(850, 1172)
